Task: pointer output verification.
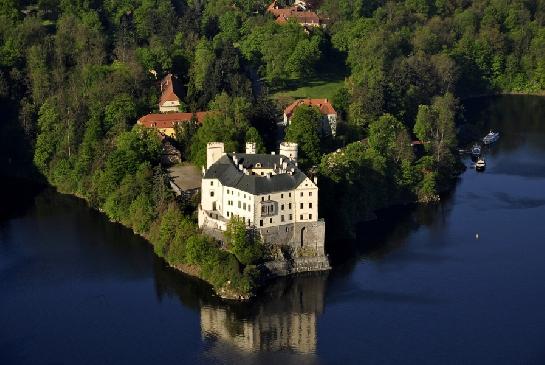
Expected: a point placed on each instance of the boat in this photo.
(491, 137)
(476, 150)
(480, 164)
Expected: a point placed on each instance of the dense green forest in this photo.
(75, 75)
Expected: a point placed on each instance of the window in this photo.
(289, 206)
(310, 216)
(269, 198)
(211, 193)
(301, 217)
(301, 205)
(227, 191)
(227, 214)
(244, 206)
(310, 193)
(249, 208)
(211, 183)
(282, 207)
(270, 220)
(281, 218)
(301, 193)
(262, 198)
(281, 196)
(291, 217)
(310, 205)
(261, 222)
(289, 195)
(239, 203)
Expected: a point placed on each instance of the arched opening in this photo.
(214, 206)
(303, 236)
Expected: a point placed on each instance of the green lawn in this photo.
(314, 88)
(329, 77)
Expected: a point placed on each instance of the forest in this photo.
(75, 76)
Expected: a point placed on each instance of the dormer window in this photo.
(258, 165)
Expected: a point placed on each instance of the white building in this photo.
(265, 190)
(270, 193)
(329, 114)
(169, 101)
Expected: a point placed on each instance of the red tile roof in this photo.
(284, 14)
(324, 105)
(169, 120)
(167, 90)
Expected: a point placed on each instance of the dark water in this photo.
(420, 286)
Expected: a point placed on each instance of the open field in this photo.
(329, 78)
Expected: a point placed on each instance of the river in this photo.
(458, 282)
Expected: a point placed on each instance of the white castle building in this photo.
(271, 194)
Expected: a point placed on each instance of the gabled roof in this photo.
(324, 105)
(297, 12)
(169, 120)
(229, 175)
(168, 90)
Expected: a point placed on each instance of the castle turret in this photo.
(214, 151)
(289, 149)
(250, 147)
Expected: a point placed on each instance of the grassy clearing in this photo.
(329, 77)
(314, 88)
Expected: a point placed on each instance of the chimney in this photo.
(315, 180)
(251, 148)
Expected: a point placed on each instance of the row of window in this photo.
(232, 192)
(282, 219)
(240, 205)
(301, 206)
(289, 196)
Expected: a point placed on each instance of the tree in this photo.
(388, 137)
(243, 243)
(303, 130)
(252, 135)
(435, 125)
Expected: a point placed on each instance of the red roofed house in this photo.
(329, 120)
(298, 12)
(166, 123)
(169, 101)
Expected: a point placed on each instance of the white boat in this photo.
(491, 137)
(480, 164)
(476, 150)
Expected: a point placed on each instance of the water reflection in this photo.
(285, 320)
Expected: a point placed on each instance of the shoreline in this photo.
(503, 93)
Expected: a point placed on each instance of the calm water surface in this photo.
(419, 286)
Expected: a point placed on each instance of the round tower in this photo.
(214, 151)
(289, 149)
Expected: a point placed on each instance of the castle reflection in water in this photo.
(284, 318)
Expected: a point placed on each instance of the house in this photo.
(329, 115)
(298, 11)
(166, 123)
(270, 193)
(170, 95)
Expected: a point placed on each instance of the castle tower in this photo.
(250, 148)
(289, 149)
(214, 151)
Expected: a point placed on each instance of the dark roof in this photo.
(229, 175)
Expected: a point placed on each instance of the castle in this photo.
(273, 196)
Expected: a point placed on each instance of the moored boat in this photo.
(491, 137)
(476, 150)
(480, 164)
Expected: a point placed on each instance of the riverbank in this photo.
(503, 93)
